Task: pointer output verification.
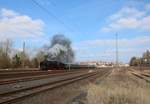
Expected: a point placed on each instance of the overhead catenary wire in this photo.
(52, 15)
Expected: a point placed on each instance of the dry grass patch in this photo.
(116, 91)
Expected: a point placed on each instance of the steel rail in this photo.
(10, 97)
(17, 70)
(30, 78)
(140, 76)
(102, 75)
(27, 73)
(147, 75)
(55, 79)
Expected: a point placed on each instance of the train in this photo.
(56, 65)
(52, 65)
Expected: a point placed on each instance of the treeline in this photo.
(11, 58)
(141, 61)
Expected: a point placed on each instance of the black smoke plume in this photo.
(60, 49)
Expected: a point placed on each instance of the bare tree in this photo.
(40, 56)
(5, 51)
(16, 61)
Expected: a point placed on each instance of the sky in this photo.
(91, 25)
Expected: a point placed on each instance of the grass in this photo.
(119, 89)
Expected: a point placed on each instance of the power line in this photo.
(51, 14)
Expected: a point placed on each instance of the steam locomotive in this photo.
(52, 65)
(56, 65)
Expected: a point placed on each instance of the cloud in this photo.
(104, 49)
(147, 6)
(15, 25)
(127, 12)
(143, 40)
(128, 18)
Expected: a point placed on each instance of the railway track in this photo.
(17, 74)
(143, 76)
(17, 70)
(17, 94)
(36, 77)
(147, 75)
(102, 75)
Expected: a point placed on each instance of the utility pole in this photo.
(69, 66)
(117, 50)
(7, 47)
(69, 60)
(23, 54)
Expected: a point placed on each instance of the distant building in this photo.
(98, 63)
